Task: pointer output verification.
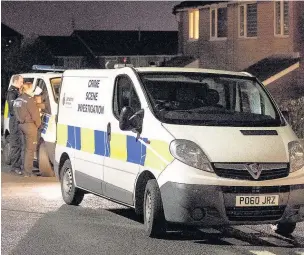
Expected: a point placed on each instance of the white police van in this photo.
(181, 146)
(46, 86)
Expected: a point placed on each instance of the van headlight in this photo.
(296, 156)
(191, 154)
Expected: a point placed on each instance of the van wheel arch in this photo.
(140, 187)
(63, 158)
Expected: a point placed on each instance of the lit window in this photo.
(248, 20)
(218, 23)
(194, 24)
(281, 18)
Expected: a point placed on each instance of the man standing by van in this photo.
(15, 133)
(27, 113)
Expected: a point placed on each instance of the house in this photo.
(96, 48)
(261, 37)
(68, 51)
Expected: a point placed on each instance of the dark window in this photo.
(222, 22)
(124, 95)
(252, 20)
(286, 18)
(281, 18)
(242, 20)
(218, 21)
(213, 23)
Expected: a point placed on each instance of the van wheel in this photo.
(285, 229)
(70, 194)
(154, 219)
(45, 166)
(7, 151)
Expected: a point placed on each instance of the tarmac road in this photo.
(35, 220)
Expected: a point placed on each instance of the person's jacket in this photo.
(26, 110)
(11, 96)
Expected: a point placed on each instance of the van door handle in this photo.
(109, 131)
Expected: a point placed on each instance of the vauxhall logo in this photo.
(255, 170)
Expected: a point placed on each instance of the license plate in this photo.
(270, 200)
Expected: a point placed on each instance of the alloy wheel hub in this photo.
(67, 181)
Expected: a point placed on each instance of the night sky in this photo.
(55, 18)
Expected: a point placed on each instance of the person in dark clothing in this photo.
(27, 113)
(15, 133)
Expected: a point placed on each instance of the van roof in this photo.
(189, 70)
(93, 72)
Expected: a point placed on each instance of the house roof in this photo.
(126, 43)
(271, 66)
(7, 31)
(64, 45)
(193, 4)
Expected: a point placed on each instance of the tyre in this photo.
(6, 151)
(154, 219)
(284, 229)
(44, 165)
(70, 194)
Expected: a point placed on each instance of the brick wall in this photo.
(238, 53)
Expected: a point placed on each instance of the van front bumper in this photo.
(207, 205)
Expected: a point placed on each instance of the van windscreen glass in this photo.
(209, 99)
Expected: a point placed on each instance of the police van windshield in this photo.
(209, 99)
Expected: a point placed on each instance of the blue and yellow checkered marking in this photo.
(134, 150)
(121, 147)
(77, 138)
(45, 123)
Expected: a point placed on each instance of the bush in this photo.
(295, 107)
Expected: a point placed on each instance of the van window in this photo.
(44, 95)
(56, 84)
(124, 95)
(209, 99)
(27, 79)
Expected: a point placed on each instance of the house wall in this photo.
(286, 87)
(236, 53)
(299, 42)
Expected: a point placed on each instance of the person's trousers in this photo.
(29, 131)
(15, 143)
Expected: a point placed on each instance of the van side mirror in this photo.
(286, 115)
(124, 118)
(129, 120)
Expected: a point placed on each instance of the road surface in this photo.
(35, 220)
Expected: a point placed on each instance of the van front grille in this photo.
(242, 172)
(256, 213)
(255, 189)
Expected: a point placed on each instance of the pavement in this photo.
(35, 220)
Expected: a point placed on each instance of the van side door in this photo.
(123, 164)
